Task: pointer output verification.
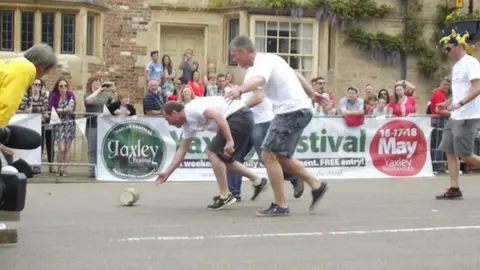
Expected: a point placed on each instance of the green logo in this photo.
(133, 150)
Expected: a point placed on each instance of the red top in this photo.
(198, 88)
(404, 108)
(438, 96)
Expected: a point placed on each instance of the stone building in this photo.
(114, 38)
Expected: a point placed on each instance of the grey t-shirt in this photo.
(104, 98)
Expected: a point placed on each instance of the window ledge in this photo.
(78, 3)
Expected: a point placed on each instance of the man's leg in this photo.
(235, 180)
(447, 145)
(279, 146)
(258, 135)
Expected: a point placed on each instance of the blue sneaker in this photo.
(274, 210)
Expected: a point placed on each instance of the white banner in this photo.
(381, 148)
(132, 148)
(31, 121)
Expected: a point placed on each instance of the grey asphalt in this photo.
(81, 226)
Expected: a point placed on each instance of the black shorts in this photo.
(241, 126)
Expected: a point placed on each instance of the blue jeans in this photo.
(256, 139)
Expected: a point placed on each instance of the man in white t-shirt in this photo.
(232, 123)
(262, 116)
(289, 93)
(461, 129)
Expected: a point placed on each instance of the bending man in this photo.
(233, 124)
(18, 74)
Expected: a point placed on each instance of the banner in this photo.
(381, 148)
(31, 121)
(132, 148)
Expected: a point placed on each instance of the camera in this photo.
(13, 190)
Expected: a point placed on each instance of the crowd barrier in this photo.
(134, 148)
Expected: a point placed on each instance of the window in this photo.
(6, 30)
(68, 34)
(233, 31)
(90, 35)
(291, 40)
(27, 30)
(48, 28)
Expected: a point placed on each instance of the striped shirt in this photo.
(39, 105)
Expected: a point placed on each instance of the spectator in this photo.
(229, 79)
(370, 93)
(383, 93)
(322, 110)
(187, 66)
(211, 69)
(96, 98)
(63, 101)
(36, 101)
(403, 105)
(351, 104)
(168, 76)
(197, 87)
(222, 84)
(319, 84)
(153, 99)
(154, 69)
(122, 106)
(439, 95)
(381, 109)
(370, 103)
(212, 87)
(187, 95)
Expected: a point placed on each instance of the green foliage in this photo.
(458, 15)
(343, 9)
(367, 41)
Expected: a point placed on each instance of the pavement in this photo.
(359, 225)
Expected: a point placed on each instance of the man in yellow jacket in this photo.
(18, 74)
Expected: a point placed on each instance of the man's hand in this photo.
(454, 106)
(320, 99)
(443, 106)
(229, 148)
(232, 94)
(161, 178)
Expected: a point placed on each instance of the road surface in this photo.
(360, 225)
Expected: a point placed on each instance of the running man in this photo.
(262, 115)
(293, 112)
(233, 124)
(18, 74)
(459, 133)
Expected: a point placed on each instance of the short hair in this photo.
(353, 88)
(153, 80)
(173, 106)
(41, 55)
(212, 76)
(153, 52)
(220, 75)
(241, 43)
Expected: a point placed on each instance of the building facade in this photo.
(114, 38)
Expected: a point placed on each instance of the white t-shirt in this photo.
(195, 121)
(282, 86)
(263, 111)
(463, 72)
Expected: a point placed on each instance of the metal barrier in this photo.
(79, 151)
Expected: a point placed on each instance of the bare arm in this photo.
(256, 99)
(473, 92)
(221, 123)
(91, 98)
(305, 84)
(252, 84)
(179, 156)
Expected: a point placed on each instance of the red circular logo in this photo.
(399, 148)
